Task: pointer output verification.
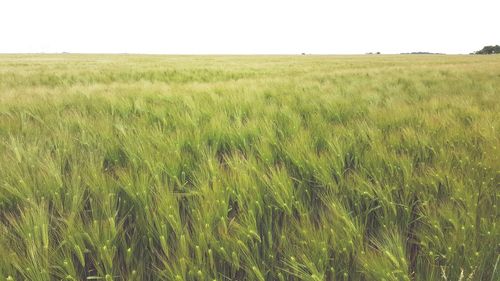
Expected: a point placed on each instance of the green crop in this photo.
(125, 167)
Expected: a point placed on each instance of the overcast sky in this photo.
(247, 27)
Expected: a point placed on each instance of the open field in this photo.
(122, 167)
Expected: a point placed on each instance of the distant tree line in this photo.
(422, 53)
(489, 50)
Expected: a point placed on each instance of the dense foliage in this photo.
(249, 168)
(489, 50)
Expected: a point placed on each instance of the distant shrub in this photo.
(489, 50)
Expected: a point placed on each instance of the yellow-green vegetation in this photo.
(121, 167)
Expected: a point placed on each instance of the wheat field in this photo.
(146, 167)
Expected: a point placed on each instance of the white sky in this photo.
(248, 27)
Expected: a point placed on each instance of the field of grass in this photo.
(122, 167)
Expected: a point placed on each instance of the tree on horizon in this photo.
(489, 50)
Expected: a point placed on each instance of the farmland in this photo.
(135, 167)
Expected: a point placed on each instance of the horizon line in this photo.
(230, 54)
